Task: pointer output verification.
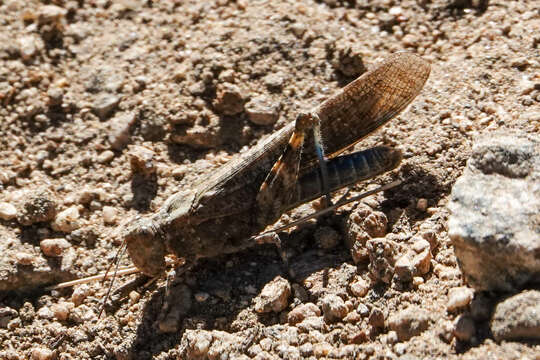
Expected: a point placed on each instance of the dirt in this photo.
(109, 107)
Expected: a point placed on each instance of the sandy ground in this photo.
(91, 92)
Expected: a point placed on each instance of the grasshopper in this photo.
(294, 165)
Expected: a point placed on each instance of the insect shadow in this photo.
(230, 284)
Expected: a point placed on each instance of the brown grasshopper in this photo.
(222, 214)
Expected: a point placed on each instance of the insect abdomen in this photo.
(345, 170)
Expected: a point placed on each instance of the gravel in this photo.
(197, 83)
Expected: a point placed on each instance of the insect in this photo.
(294, 165)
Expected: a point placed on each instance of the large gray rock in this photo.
(495, 205)
(517, 317)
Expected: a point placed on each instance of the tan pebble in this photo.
(353, 317)
(42, 354)
(360, 287)
(142, 160)
(7, 211)
(45, 313)
(266, 344)
(262, 111)
(200, 343)
(105, 157)
(134, 296)
(421, 261)
(333, 307)
(322, 349)
(67, 220)
(422, 204)
(417, 281)
(391, 337)
(526, 86)
(62, 309)
(28, 47)
(23, 258)
(395, 11)
(404, 268)
(80, 293)
(109, 215)
(301, 312)
(54, 247)
(274, 296)
(410, 40)
(459, 297)
(419, 245)
(50, 14)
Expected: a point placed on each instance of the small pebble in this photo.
(303, 311)
(312, 323)
(40, 207)
(274, 296)
(6, 315)
(67, 220)
(105, 157)
(134, 296)
(229, 99)
(45, 313)
(409, 322)
(322, 349)
(50, 14)
(363, 310)
(54, 247)
(104, 105)
(421, 260)
(459, 297)
(422, 204)
(262, 111)
(120, 127)
(417, 281)
(7, 211)
(28, 47)
(142, 160)
(61, 310)
(391, 337)
(517, 317)
(24, 258)
(360, 287)
(42, 354)
(334, 308)
(274, 81)
(404, 268)
(55, 95)
(109, 215)
(80, 293)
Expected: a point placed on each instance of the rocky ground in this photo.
(109, 107)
